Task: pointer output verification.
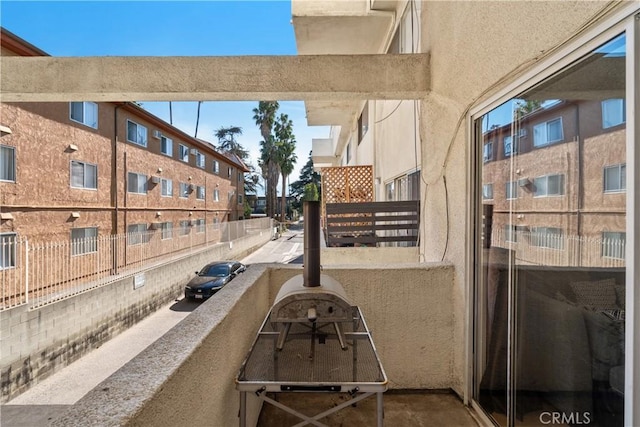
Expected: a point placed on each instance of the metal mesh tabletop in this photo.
(312, 359)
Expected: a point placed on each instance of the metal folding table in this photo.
(316, 357)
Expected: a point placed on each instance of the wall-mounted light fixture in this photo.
(75, 214)
(6, 216)
(72, 147)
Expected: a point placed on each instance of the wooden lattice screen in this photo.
(346, 184)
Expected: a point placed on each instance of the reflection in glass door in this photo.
(551, 277)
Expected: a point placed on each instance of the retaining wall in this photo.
(38, 342)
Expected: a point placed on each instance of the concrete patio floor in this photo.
(401, 408)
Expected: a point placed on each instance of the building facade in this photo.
(85, 169)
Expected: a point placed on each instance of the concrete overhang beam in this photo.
(308, 77)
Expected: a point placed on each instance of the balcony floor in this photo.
(401, 408)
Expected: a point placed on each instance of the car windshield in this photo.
(215, 271)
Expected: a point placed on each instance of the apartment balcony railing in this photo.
(372, 223)
(41, 273)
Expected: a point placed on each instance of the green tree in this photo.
(307, 176)
(285, 153)
(265, 116)
(227, 141)
(310, 193)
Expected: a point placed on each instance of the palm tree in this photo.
(227, 141)
(285, 154)
(264, 117)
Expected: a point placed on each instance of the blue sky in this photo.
(171, 28)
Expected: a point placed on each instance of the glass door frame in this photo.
(625, 20)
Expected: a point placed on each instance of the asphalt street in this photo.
(53, 395)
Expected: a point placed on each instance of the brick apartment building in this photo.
(567, 180)
(84, 169)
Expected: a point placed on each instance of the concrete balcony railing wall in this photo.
(187, 376)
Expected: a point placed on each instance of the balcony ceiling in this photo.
(322, 34)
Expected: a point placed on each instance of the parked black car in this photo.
(212, 278)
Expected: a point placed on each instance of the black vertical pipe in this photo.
(311, 256)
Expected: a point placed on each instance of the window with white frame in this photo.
(136, 133)
(84, 240)
(613, 244)
(487, 191)
(216, 195)
(510, 234)
(7, 163)
(8, 245)
(230, 194)
(167, 230)
(613, 112)
(547, 237)
(185, 227)
(85, 113)
(511, 190)
(549, 185)
(230, 171)
(136, 183)
(548, 132)
(239, 199)
(487, 151)
(200, 159)
(390, 191)
(183, 153)
(615, 178)
(84, 175)
(137, 234)
(509, 147)
(166, 146)
(166, 187)
(348, 152)
(363, 122)
(199, 225)
(200, 192)
(185, 189)
(216, 167)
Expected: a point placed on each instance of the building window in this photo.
(613, 244)
(84, 175)
(136, 133)
(348, 154)
(166, 146)
(487, 151)
(185, 189)
(390, 191)
(200, 159)
(200, 192)
(166, 187)
(84, 240)
(613, 112)
(549, 185)
(7, 163)
(199, 224)
(363, 122)
(8, 243)
(510, 234)
(183, 153)
(216, 167)
(239, 199)
(615, 178)
(167, 230)
(185, 227)
(137, 234)
(216, 195)
(230, 194)
(547, 237)
(548, 132)
(511, 190)
(136, 183)
(509, 148)
(239, 179)
(85, 113)
(230, 172)
(487, 191)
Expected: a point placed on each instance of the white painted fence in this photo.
(41, 273)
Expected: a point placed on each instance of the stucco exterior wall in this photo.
(455, 41)
(368, 256)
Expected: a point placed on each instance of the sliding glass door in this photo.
(551, 263)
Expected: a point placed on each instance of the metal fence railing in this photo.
(41, 273)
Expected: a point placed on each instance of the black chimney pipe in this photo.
(311, 255)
